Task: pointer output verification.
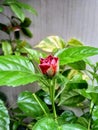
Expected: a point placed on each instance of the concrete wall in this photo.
(66, 18)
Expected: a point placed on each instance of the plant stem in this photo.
(40, 104)
(92, 104)
(61, 89)
(52, 96)
(90, 120)
(6, 16)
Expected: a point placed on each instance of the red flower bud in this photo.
(49, 66)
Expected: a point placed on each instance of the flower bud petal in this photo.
(49, 65)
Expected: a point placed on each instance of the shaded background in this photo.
(65, 18)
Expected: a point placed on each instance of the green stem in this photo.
(90, 120)
(52, 96)
(61, 90)
(92, 104)
(40, 104)
(6, 16)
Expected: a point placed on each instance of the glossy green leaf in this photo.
(70, 98)
(46, 123)
(79, 65)
(83, 93)
(16, 70)
(80, 85)
(73, 127)
(95, 124)
(27, 7)
(92, 89)
(4, 117)
(22, 43)
(93, 92)
(18, 12)
(51, 44)
(68, 116)
(6, 47)
(27, 32)
(35, 54)
(1, 9)
(77, 82)
(74, 42)
(95, 113)
(15, 125)
(95, 75)
(82, 121)
(74, 54)
(32, 105)
(75, 77)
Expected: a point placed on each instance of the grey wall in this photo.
(65, 18)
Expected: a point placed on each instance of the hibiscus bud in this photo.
(49, 66)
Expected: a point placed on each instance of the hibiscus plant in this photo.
(16, 24)
(67, 98)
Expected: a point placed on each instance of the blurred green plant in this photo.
(18, 24)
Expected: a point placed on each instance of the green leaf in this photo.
(93, 92)
(77, 82)
(35, 54)
(82, 121)
(68, 116)
(21, 5)
(79, 65)
(95, 124)
(27, 32)
(18, 12)
(8, 2)
(46, 123)
(70, 98)
(74, 54)
(16, 70)
(15, 125)
(92, 89)
(83, 93)
(51, 44)
(6, 47)
(32, 105)
(1, 9)
(4, 117)
(80, 85)
(95, 75)
(74, 42)
(72, 127)
(22, 43)
(95, 113)
(26, 22)
(27, 7)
